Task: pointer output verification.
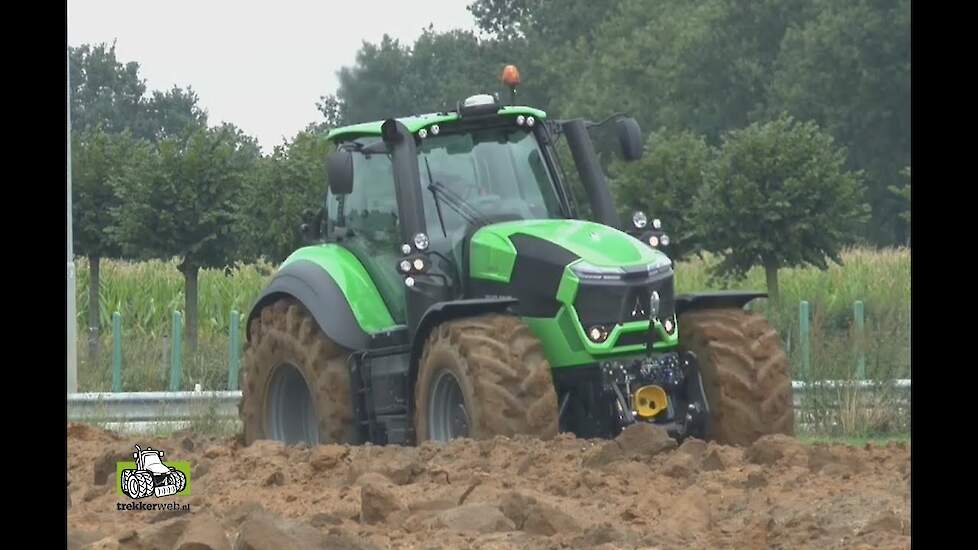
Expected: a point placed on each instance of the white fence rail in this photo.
(148, 411)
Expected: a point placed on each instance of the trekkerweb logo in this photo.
(149, 475)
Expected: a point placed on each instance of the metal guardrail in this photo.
(148, 411)
(145, 411)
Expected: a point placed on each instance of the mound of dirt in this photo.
(638, 491)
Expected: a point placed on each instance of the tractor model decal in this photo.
(151, 476)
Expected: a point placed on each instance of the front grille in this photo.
(633, 339)
(609, 303)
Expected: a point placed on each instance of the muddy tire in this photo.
(745, 373)
(495, 366)
(295, 381)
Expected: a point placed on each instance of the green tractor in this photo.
(451, 290)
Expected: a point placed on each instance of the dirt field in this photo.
(639, 491)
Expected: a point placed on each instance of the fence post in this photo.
(234, 356)
(804, 337)
(860, 317)
(176, 353)
(116, 352)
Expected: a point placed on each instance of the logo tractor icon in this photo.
(151, 476)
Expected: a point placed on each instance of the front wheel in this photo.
(745, 374)
(484, 376)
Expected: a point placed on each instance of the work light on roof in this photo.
(479, 99)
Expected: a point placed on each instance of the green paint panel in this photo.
(491, 256)
(564, 341)
(359, 289)
(564, 350)
(415, 123)
(594, 243)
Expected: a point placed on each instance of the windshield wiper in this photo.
(451, 198)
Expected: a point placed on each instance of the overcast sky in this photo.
(260, 65)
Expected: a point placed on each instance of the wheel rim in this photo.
(447, 415)
(133, 486)
(290, 413)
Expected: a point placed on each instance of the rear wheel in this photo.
(745, 373)
(295, 380)
(484, 376)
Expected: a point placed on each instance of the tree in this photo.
(377, 86)
(98, 159)
(332, 110)
(664, 184)
(106, 102)
(778, 195)
(280, 191)
(904, 193)
(173, 113)
(701, 66)
(848, 69)
(433, 74)
(104, 92)
(186, 206)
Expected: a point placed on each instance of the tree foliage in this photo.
(186, 205)
(278, 196)
(779, 195)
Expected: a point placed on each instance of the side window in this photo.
(370, 213)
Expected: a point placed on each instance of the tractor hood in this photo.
(494, 247)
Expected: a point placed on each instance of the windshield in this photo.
(498, 172)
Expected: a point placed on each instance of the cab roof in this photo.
(417, 122)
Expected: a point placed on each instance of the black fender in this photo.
(720, 299)
(316, 289)
(445, 311)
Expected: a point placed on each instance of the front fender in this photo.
(720, 299)
(318, 291)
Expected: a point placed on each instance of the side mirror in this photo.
(630, 138)
(339, 171)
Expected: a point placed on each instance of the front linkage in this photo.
(665, 390)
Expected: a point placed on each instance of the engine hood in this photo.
(593, 243)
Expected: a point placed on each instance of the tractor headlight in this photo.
(405, 248)
(409, 282)
(664, 240)
(639, 220)
(597, 334)
(669, 325)
(520, 119)
(654, 241)
(435, 129)
(422, 133)
(421, 241)
(591, 272)
(405, 266)
(530, 121)
(657, 224)
(419, 264)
